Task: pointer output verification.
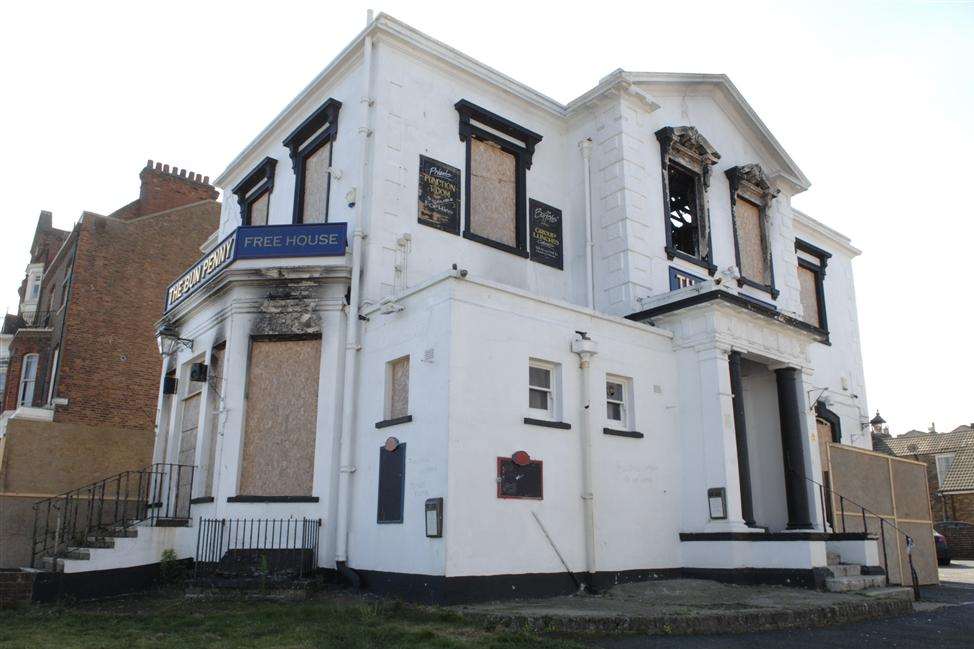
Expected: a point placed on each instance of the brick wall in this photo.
(26, 342)
(16, 588)
(110, 363)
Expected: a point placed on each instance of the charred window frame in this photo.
(318, 130)
(748, 184)
(482, 125)
(817, 266)
(686, 158)
(258, 184)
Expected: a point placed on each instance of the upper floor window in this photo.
(751, 196)
(33, 292)
(499, 153)
(944, 462)
(616, 408)
(686, 160)
(254, 193)
(28, 379)
(397, 391)
(310, 145)
(812, 261)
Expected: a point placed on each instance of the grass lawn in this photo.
(327, 620)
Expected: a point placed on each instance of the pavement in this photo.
(690, 606)
(944, 618)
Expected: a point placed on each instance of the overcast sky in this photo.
(875, 102)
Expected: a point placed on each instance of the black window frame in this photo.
(819, 271)
(258, 183)
(306, 140)
(749, 184)
(690, 152)
(523, 155)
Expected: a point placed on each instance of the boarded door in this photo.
(892, 489)
(281, 409)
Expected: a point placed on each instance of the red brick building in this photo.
(83, 353)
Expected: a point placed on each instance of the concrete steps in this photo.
(854, 583)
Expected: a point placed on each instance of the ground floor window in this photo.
(280, 421)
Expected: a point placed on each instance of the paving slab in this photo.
(687, 606)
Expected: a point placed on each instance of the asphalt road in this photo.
(951, 625)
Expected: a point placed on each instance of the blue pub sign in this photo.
(261, 241)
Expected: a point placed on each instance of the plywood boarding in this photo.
(258, 210)
(282, 405)
(188, 429)
(895, 490)
(493, 204)
(399, 398)
(750, 241)
(809, 296)
(316, 185)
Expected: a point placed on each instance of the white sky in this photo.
(875, 101)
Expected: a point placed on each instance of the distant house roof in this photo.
(963, 428)
(960, 478)
(959, 441)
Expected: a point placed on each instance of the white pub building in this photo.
(475, 342)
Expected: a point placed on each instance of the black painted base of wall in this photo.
(98, 584)
(437, 589)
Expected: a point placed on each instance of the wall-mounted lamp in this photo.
(169, 341)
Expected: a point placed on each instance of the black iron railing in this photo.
(86, 516)
(256, 547)
(827, 496)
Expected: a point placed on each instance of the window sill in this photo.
(385, 423)
(767, 288)
(622, 433)
(673, 253)
(547, 423)
(272, 499)
(202, 500)
(520, 252)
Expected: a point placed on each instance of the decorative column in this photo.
(793, 448)
(740, 431)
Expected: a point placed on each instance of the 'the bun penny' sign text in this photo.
(546, 243)
(439, 195)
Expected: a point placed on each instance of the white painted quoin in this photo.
(472, 318)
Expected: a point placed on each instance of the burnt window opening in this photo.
(686, 158)
(498, 155)
(684, 211)
(812, 262)
(310, 146)
(254, 192)
(751, 196)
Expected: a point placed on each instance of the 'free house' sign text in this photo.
(252, 242)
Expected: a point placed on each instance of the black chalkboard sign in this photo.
(516, 481)
(392, 483)
(546, 243)
(439, 195)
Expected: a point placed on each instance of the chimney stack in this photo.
(164, 188)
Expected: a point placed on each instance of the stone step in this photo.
(833, 558)
(860, 582)
(889, 592)
(100, 543)
(120, 534)
(845, 569)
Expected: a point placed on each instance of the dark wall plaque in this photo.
(517, 481)
(546, 242)
(392, 483)
(439, 195)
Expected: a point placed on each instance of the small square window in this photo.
(543, 400)
(615, 401)
(397, 378)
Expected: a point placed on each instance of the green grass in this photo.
(327, 620)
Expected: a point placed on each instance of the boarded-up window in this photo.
(493, 193)
(751, 242)
(258, 209)
(399, 388)
(189, 424)
(316, 185)
(281, 409)
(808, 287)
(392, 483)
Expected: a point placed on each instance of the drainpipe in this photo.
(586, 348)
(585, 146)
(352, 343)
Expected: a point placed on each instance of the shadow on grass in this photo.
(327, 620)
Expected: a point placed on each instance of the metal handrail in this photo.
(823, 490)
(88, 514)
